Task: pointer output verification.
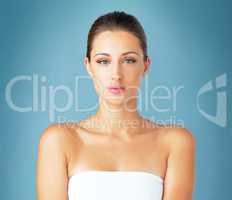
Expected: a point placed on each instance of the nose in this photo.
(116, 72)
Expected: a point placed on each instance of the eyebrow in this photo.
(106, 54)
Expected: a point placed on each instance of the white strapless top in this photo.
(115, 185)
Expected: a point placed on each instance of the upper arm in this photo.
(180, 174)
(51, 166)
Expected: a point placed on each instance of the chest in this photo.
(141, 153)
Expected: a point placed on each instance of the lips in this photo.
(116, 89)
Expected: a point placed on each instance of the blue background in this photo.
(189, 43)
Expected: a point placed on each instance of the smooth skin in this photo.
(66, 149)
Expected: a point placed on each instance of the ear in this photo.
(147, 63)
(87, 64)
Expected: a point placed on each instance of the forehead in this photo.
(116, 42)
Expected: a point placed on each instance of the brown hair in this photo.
(117, 20)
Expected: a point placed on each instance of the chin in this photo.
(114, 100)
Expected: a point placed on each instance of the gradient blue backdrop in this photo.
(189, 43)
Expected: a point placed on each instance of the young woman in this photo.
(116, 154)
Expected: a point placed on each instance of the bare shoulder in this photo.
(183, 137)
(180, 172)
(57, 131)
(54, 133)
(52, 163)
(175, 136)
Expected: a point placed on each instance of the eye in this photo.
(102, 61)
(130, 60)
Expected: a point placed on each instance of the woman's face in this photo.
(117, 65)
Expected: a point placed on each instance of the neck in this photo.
(117, 119)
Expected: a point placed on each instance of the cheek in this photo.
(103, 77)
(133, 77)
(133, 84)
(100, 81)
